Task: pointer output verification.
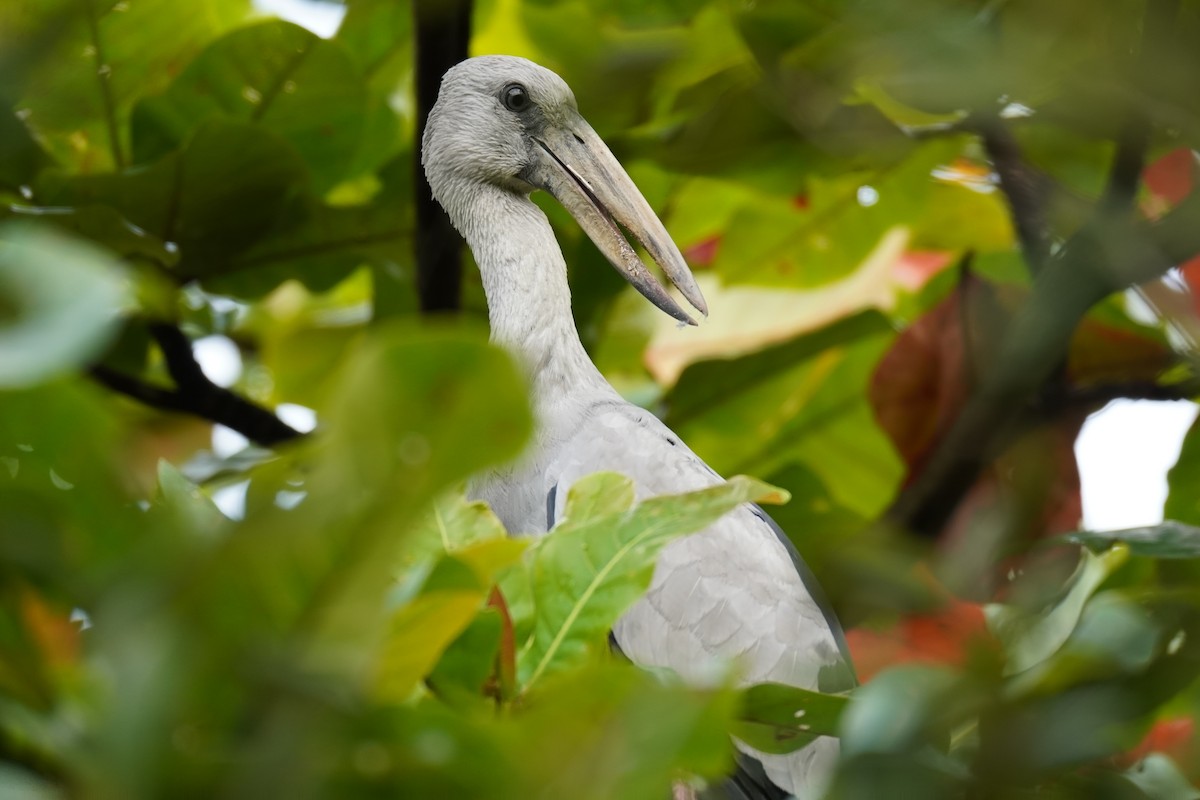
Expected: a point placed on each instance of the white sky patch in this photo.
(219, 359)
(322, 19)
(867, 196)
(227, 442)
(1124, 452)
(231, 500)
(300, 417)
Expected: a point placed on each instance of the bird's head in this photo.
(508, 122)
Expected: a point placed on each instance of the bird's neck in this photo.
(529, 299)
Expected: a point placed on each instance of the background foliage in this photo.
(914, 223)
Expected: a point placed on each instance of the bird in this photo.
(502, 128)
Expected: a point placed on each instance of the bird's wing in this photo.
(732, 592)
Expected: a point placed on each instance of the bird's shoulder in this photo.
(620, 437)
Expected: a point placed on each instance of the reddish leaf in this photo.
(1174, 737)
(1104, 354)
(1170, 177)
(922, 382)
(944, 636)
(703, 253)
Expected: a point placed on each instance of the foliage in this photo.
(895, 209)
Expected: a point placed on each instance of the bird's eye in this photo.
(515, 97)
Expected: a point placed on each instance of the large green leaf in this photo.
(60, 301)
(305, 89)
(107, 54)
(599, 560)
(227, 189)
(1032, 637)
(802, 400)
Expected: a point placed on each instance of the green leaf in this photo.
(322, 244)
(105, 56)
(187, 507)
(804, 400)
(230, 185)
(710, 383)
(424, 628)
(305, 89)
(1183, 501)
(1030, 638)
(599, 560)
(775, 718)
(60, 303)
(1169, 539)
(452, 524)
(609, 730)
(895, 710)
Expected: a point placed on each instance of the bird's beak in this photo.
(579, 170)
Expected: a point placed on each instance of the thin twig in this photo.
(195, 394)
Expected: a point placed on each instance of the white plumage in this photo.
(501, 128)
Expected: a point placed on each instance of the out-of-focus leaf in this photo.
(60, 303)
(19, 784)
(1114, 636)
(599, 560)
(775, 718)
(1029, 638)
(20, 156)
(452, 596)
(606, 731)
(108, 54)
(894, 712)
(452, 524)
(305, 89)
(187, 507)
(393, 436)
(322, 244)
(227, 189)
(812, 411)
(709, 383)
(467, 662)
(1170, 539)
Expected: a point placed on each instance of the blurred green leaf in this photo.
(60, 305)
(274, 74)
(1030, 638)
(227, 189)
(108, 54)
(599, 560)
(894, 712)
(1170, 539)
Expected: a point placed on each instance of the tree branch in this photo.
(1023, 187)
(443, 30)
(1106, 256)
(195, 394)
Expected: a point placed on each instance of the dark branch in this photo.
(195, 394)
(443, 29)
(1023, 187)
(1108, 255)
